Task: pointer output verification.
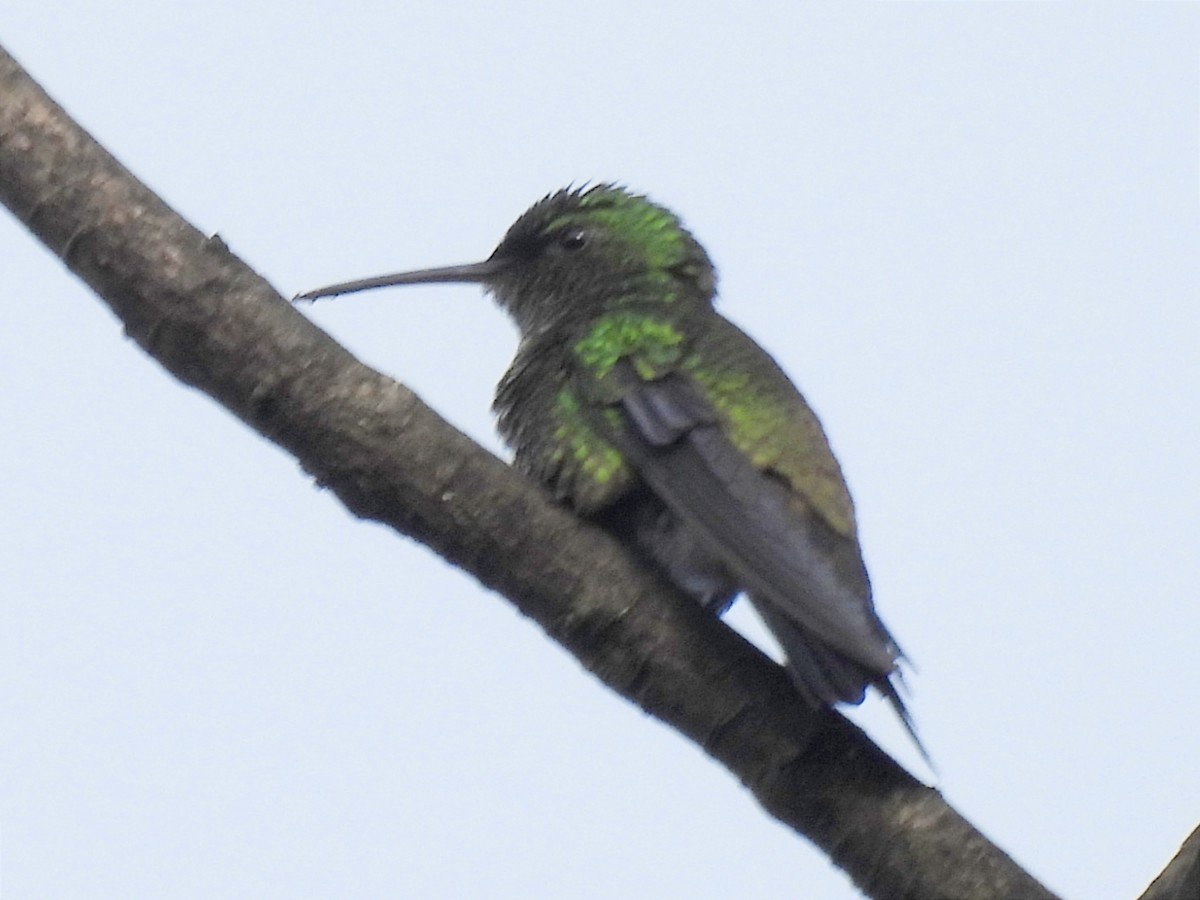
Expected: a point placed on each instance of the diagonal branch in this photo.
(1180, 880)
(219, 327)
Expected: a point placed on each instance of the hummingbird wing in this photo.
(788, 558)
(726, 442)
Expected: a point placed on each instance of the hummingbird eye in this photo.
(573, 239)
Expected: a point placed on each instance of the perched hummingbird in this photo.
(635, 402)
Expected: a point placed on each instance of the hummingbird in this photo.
(633, 401)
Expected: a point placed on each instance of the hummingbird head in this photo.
(574, 253)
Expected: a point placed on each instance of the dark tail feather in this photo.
(888, 689)
(825, 677)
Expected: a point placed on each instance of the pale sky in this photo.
(970, 232)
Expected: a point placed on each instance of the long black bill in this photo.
(471, 272)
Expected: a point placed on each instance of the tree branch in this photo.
(1180, 880)
(218, 326)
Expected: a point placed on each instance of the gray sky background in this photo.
(969, 230)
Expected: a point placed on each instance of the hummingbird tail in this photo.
(888, 689)
(825, 677)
